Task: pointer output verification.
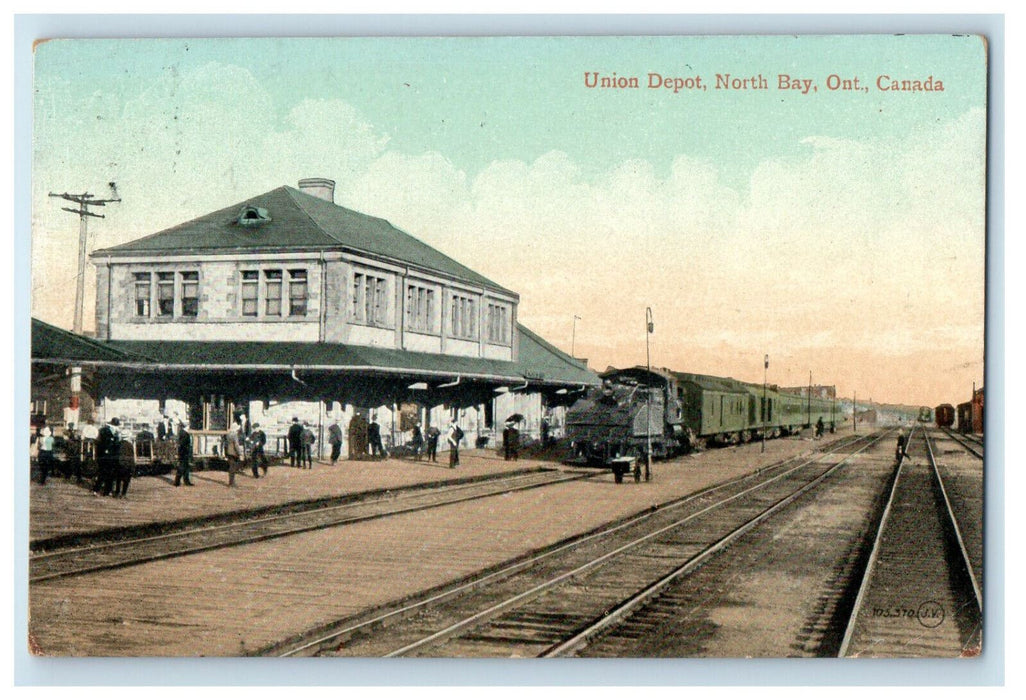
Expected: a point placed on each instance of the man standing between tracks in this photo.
(900, 451)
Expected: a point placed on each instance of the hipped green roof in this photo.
(297, 222)
(53, 344)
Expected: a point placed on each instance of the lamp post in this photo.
(649, 327)
(765, 413)
(573, 336)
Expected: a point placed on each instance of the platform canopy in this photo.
(288, 371)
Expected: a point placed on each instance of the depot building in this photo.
(288, 305)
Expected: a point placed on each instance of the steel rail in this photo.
(849, 629)
(522, 564)
(963, 442)
(555, 581)
(626, 607)
(954, 525)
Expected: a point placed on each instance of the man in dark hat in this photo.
(108, 451)
(183, 472)
(256, 441)
(295, 436)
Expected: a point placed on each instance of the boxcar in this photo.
(945, 415)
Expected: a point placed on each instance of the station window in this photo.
(272, 292)
(370, 299)
(165, 294)
(420, 308)
(190, 293)
(463, 315)
(297, 292)
(498, 323)
(250, 292)
(142, 294)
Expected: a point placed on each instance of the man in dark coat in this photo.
(307, 438)
(374, 438)
(357, 436)
(183, 471)
(432, 443)
(256, 441)
(295, 436)
(108, 452)
(125, 469)
(165, 429)
(335, 440)
(417, 441)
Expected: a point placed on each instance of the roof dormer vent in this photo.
(251, 217)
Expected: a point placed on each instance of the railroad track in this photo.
(919, 596)
(76, 561)
(551, 602)
(970, 443)
(962, 490)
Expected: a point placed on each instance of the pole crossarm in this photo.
(85, 198)
(82, 212)
(84, 201)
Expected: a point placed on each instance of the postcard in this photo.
(508, 347)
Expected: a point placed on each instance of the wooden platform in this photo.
(63, 507)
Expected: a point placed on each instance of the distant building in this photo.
(819, 391)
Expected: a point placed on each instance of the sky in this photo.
(841, 232)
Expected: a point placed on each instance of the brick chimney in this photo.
(319, 187)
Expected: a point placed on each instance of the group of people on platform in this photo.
(242, 446)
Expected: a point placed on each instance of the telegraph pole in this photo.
(573, 336)
(765, 416)
(649, 327)
(84, 201)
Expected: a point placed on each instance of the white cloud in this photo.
(860, 244)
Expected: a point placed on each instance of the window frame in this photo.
(250, 284)
(140, 282)
(165, 281)
(497, 318)
(370, 300)
(463, 313)
(299, 281)
(273, 277)
(189, 305)
(420, 308)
